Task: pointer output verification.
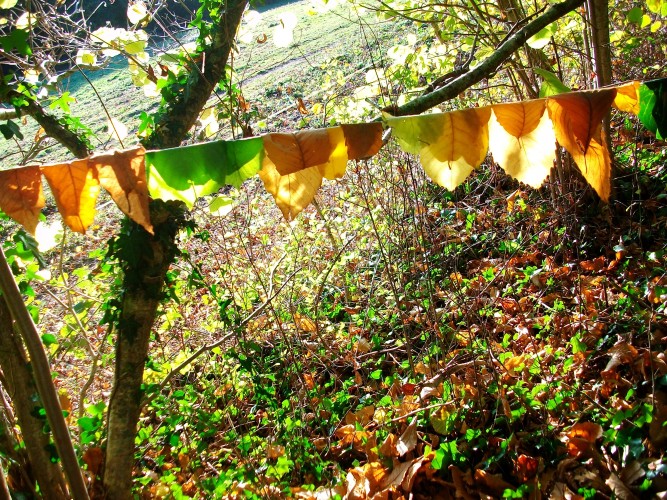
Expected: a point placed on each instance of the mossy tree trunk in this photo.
(146, 258)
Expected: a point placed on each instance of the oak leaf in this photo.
(123, 175)
(450, 145)
(522, 140)
(577, 119)
(75, 188)
(22, 197)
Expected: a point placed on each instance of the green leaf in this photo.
(49, 339)
(542, 37)
(10, 129)
(551, 85)
(635, 15)
(221, 206)
(7, 4)
(189, 172)
(63, 102)
(653, 106)
(16, 40)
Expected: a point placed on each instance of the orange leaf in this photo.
(75, 187)
(627, 98)
(297, 151)
(21, 196)
(577, 119)
(581, 438)
(301, 106)
(93, 458)
(522, 141)
(363, 140)
(123, 175)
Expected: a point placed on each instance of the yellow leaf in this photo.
(21, 196)
(627, 98)
(577, 119)
(335, 166)
(136, 12)
(297, 151)
(522, 140)
(292, 192)
(123, 175)
(75, 188)
(450, 145)
(7, 4)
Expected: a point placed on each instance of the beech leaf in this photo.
(297, 151)
(627, 98)
(189, 172)
(21, 196)
(292, 192)
(450, 145)
(363, 140)
(522, 140)
(123, 175)
(75, 188)
(577, 119)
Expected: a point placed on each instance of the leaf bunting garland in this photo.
(521, 136)
(188, 172)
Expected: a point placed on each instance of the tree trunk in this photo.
(19, 383)
(144, 277)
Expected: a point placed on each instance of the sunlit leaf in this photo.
(627, 98)
(189, 172)
(75, 188)
(21, 196)
(283, 33)
(86, 57)
(123, 175)
(450, 145)
(542, 37)
(292, 192)
(297, 151)
(522, 140)
(577, 119)
(7, 4)
(136, 12)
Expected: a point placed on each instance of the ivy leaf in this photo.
(123, 175)
(75, 188)
(21, 196)
(450, 145)
(653, 106)
(11, 129)
(577, 119)
(17, 40)
(63, 102)
(522, 140)
(189, 172)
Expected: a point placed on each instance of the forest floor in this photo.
(396, 340)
